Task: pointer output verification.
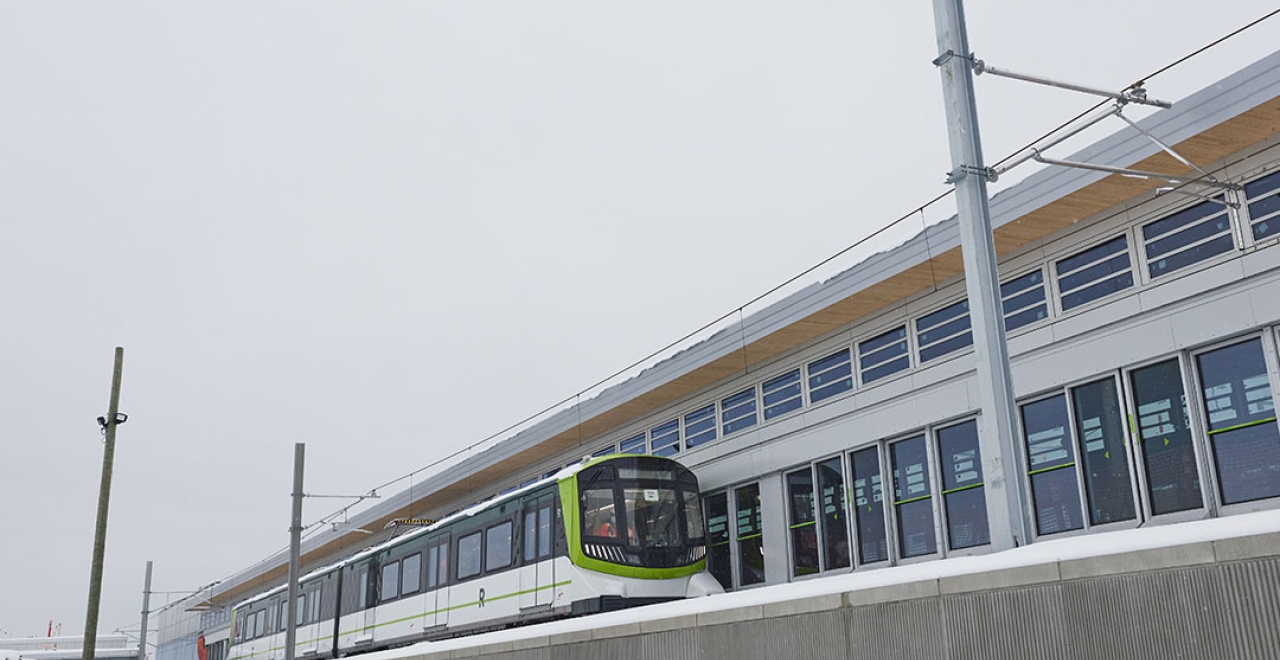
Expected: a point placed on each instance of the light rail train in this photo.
(612, 532)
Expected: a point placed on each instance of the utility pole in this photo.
(146, 611)
(108, 424)
(295, 552)
(1003, 484)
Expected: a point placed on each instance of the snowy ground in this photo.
(1044, 552)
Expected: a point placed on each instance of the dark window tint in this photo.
(781, 394)
(603, 451)
(497, 546)
(634, 445)
(700, 426)
(718, 546)
(411, 574)
(664, 439)
(944, 331)
(804, 526)
(883, 355)
(1055, 492)
(390, 587)
(868, 504)
(749, 535)
(1264, 205)
(1094, 273)
(1164, 433)
(1023, 300)
(738, 411)
(469, 556)
(832, 510)
(963, 495)
(912, 497)
(1187, 237)
(1241, 414)
(830, 376)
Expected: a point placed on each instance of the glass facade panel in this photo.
(1055, 493)
(835, 529)
(664, 439)
(718, 546)
(738, 412)
(1164, 433)
(749, 535)
(1182, 239)
(634, 445)
(868, 505)
(1023, 300)
(1094, 273)
(944, 331)
(913, 503)
(830, 376)
(700, 426)
(1240, 411)
(963, 495)
(804, 526)
(883, 355)
(1264, 206)
(1099, 420)
(781, 394)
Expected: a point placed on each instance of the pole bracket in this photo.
(988, 173)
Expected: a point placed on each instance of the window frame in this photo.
(908, 338)
(1180, 206)
(1094, 241)
(897, 556)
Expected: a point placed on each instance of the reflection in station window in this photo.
(1099, 420)
(835, 531)
(718, 562)
(1241, 415)
(830, 376)
(700, 426)
(944, 331)
(664, 439)
(1055, 493)
(1023, 300)
(738, 412)
(883, 355)
(912, 497)
(868, 506)
(1187, 237)
(781, 394)
(1094, 273)
(804, 526)
(750, 534)
(1164, 433)
(963, 496)
(633, 445)
(1263, 198)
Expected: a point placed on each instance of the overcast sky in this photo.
(391, 229)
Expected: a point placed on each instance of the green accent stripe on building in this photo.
(914, 499)
(1243, 426)
(1051, 469)
(750, 536)
(804, 524)
(960, 488)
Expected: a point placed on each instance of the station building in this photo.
(835, 430)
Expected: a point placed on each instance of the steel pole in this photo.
(295, 551)
(146, 611)
(1003, 484)
(104, 500)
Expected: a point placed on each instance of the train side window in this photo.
(273, 618)
(390, 582)
(259, 618)
(300, 610)
(469, 556)
(531, 535)
(544, 532)
(442, 569)
(433, 558)
(498, 546)
(315, 607)
(411, 575)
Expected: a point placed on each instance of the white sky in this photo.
(391, 229)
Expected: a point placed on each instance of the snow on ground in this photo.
(1043, 552)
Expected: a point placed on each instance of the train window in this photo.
(273, 618)
(782, 394)
(700, 426)
(390, 585)
(1241, 415)
(1100, 422)
(835, 533)
(443, 567)
(1023, 300)
(913, 497)
(1055, 493)
(883, 355)
(314, 601)
(963, 495)
(718, 550)
(944, 331)
(633, 445)
(598, 513)
(1187, 237)
(1094, 273)
(868, 501)
(531, 535)
(664, 439)
(300, 610)
(433, 560)
(259, 619)
(804, 526)
(750, 533)
(1164, 433)
(738, 412)
(830, 376)
(1264, 205)
(411, 574)
(469, 556)
(544, 532)
(497, 544)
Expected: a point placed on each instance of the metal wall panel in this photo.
(908, 630)
(1024, 623)
(1250, 609)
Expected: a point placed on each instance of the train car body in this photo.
(613, 532)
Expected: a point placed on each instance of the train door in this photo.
(537, 570)
(369, 600)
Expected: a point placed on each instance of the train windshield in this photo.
(641, 511)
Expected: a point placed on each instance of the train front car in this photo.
(637, 532)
